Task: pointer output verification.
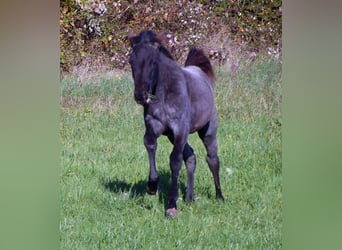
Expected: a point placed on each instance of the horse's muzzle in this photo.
(141, 98)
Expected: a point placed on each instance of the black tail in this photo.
(197, 58)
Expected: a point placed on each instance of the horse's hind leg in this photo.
(190, 163)
(208, 136)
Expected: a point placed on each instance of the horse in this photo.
(177, 101)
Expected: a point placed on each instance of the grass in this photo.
(104, 168)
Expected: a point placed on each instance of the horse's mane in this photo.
(165, 51)
(149, 37)
(198, 58)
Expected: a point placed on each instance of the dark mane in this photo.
(197, 58)
(165, 51)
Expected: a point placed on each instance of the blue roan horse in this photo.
(177, 101)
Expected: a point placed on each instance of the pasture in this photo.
(104, 167)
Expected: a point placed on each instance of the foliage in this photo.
(104, 167)
(95, 30)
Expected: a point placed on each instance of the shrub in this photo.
(95, 30)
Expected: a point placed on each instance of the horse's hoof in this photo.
(152, 187)
(171, 213)
(189, 199)
(220, 197)
(150, 191)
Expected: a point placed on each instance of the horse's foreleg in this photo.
(190, 163)
(176, 158)
(150, 143)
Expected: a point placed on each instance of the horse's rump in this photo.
(197, 58)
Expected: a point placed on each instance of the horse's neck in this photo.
(171, 77)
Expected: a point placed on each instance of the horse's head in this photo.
(144, 64)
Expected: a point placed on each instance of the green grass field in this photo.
(104, 168)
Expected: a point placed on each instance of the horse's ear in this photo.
(131, 38)
(161, 38)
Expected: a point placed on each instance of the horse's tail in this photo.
(198, 58)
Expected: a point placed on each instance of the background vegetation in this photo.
(93, 32)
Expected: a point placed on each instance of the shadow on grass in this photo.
(139, 188)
